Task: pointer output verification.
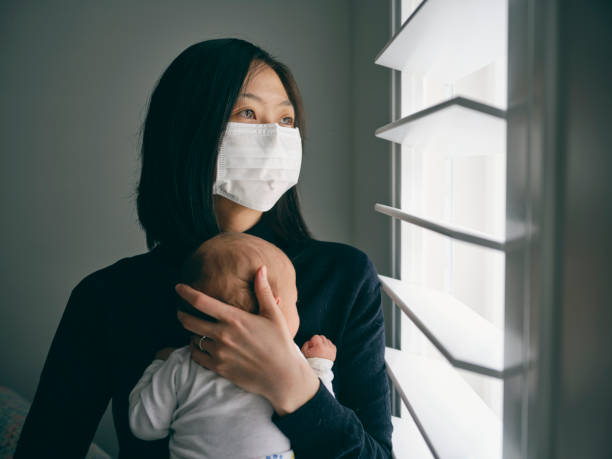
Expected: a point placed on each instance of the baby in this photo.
(206, 415)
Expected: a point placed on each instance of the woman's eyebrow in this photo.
(259, 99)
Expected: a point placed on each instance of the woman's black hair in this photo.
(186, 119)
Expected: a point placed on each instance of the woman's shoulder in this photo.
(340, 251)
(129, 268)
(349, 259)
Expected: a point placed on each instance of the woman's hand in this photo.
(255, 352)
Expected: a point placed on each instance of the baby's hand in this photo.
(319, 346)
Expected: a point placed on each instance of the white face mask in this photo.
(258, 163)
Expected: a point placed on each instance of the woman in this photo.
(119, 317)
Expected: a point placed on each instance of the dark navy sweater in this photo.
(118, 317)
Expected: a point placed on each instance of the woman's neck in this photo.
(234, 217)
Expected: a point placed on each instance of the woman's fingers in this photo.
(202, 358)
(205, 345)
(198, 326)
(268, 306)
(205, 303)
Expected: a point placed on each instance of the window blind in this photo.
(456, 239)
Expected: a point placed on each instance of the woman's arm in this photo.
(74, 387)
(358, 424)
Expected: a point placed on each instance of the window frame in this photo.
(520, 271)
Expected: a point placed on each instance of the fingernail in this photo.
(178, 287)
(264, 273)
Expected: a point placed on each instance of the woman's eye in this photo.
(287, 120)
(247, 113)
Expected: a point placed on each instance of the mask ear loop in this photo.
(220, 166)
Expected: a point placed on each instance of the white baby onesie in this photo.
(207, 415)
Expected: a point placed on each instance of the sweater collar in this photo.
(264, 231)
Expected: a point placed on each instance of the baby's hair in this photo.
(225, 265)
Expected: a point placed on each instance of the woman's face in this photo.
(263, 99)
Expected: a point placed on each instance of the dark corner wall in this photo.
(74, 85)
(581, 395)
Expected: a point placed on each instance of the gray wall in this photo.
(73, 90)
(371, 157)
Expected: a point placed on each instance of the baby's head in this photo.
(224, 267)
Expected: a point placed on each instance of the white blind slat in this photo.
(408, 441)
(449, 127)
(465, 338)
(455, 420)
(453, 231)
(448, 39)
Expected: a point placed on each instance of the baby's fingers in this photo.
(316, 339)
